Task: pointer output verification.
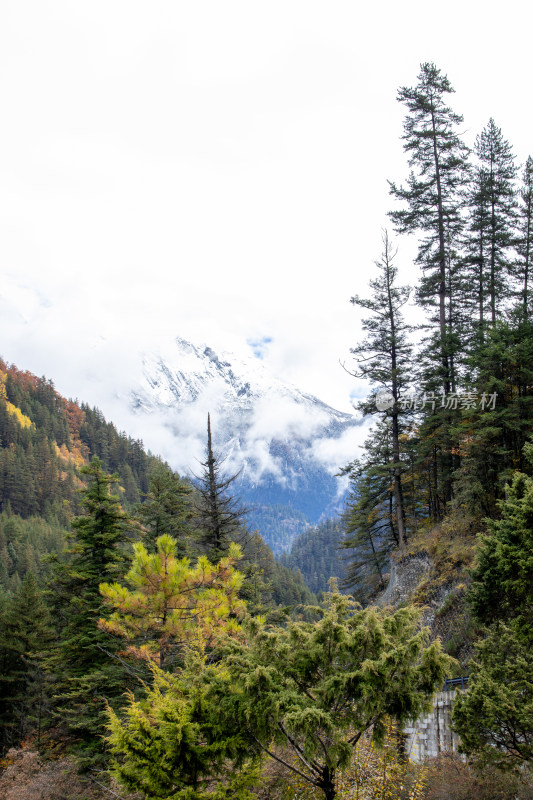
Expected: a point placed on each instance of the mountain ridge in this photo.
(286, 445)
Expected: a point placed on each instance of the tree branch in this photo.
(285, 763)
(299, 751)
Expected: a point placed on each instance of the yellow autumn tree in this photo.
(22, 419)
(169, 605)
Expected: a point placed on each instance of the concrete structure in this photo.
(432, 733)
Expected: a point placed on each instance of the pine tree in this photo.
(524, 264)
(370, 517)
(433, 194)
(502, 585)
(499, 173)
(384, 359)
(492, 435)
(25, 639)
(367, 538)
(167, 509)
(173, 607)
(219, 514)
(494, 717)
(440, 171)
(87, 674)
(475, 280)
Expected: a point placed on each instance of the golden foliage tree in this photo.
(173, 605)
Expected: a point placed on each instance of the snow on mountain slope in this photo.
(288, 445)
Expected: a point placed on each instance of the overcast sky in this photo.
(218, 171)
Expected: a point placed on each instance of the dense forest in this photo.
(152, 645)
(318, 553)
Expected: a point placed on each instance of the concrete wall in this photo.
(432, 734)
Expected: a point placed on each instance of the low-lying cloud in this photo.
(259, 424)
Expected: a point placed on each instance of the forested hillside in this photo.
(319, 555)
(282, 522)
(453, 399)
(45, 438)
(60, 460)
(445, 475)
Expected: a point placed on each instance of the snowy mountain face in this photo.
(288, 445)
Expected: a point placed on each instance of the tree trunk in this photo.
(327, 783)
(398, 492)
(213, 490)
(442, 268)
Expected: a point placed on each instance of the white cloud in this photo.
(218, 172)
(282, 418)
(336, 452)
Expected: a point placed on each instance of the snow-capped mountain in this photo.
(288, 445)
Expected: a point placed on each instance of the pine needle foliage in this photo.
(316, 688)
(502, 579)
(219, 514)
(172, 605)
(494, 718)
(86, 671)
(171, 745)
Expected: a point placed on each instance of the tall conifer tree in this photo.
(475, 277)
(524, 265)
(438, 159)
(25, 639)
(88, 675)
(499, 170)
(219, 514)
(433, 195)
(384, 358)
(167, 509)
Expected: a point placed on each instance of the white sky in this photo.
(217, 170)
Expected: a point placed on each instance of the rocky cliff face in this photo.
(438, 586)
(404, 578)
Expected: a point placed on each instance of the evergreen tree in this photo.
(524, 264)
(384, 359)
(502, 581)
(499, 173)
(367, 536)
(440, 171)
(315, 688)
(475, 280)
(370, 517)
(219, 514)
(433, 195)
(494, 717)
(173, 743)
(173, 606)
(492, 435)
(167, 509)
(25, 639)
(87, 674)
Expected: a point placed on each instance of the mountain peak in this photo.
(287, 445)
